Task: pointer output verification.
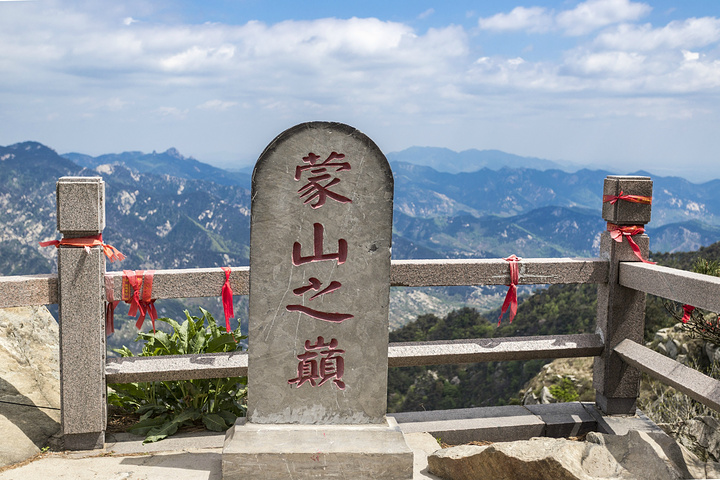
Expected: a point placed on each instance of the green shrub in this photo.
(166, 406)
(565, 391)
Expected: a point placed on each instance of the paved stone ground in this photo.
(192, 456)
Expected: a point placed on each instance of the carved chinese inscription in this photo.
(319, 278)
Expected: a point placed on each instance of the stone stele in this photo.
(321, 230)
(319, 267)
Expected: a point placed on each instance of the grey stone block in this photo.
(84, 441)
(494, 424)
(80, 205)
(624, 212)
(564, 419)
(82, 340)
(296, 452)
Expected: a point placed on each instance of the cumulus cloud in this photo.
(386, 73)
(689, 33)
(533, 19)
(585, 18)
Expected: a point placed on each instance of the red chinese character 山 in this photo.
(331, 365)
(318, 256)
(316, 191)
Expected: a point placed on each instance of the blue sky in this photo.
(613, 84)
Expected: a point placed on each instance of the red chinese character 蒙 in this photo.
(330, 367)
(314, 190)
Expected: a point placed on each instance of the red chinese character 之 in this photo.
(330, 367)
(316, 191)
(318, 255)
(315, 284)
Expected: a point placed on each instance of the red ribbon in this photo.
(227, 298)
(147, 301)
(132, 283)
(110, 307)
(618, 232)
(687, 311)
(93, 241)
(511, 296)
(628, 198)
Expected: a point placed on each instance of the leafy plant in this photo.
(565, 391)
(165, 406)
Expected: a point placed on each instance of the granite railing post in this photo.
(620, 310)
(81, 213)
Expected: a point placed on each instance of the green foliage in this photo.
(565, 391)
(166, 406)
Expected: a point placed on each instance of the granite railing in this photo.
(616, 344)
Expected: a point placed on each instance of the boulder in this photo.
(29, 382)
(636, 455)
(702, 436)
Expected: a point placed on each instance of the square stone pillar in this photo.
(81, 213)
(620, 310)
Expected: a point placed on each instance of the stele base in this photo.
(292, 451)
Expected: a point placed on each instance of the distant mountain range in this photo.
(449, 161)
(165, 210)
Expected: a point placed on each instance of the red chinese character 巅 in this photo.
(330, 367)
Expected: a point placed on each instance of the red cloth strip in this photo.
(132, 283)
(687, 311)
(227, 298)
(628, 198)
(618, 232)
(511, 296)
(110, 307)
(147, 301)
(96, 240)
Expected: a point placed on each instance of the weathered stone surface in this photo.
(637, 455)
(624, 212)
(81, 294)
(702, 435)
(298, 452)
(29, 379)
(302, 243)
(80, 205)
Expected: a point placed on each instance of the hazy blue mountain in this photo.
(446, 160)
(682, 237)
(543, 232)
(169, 162)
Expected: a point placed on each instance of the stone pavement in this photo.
(191, 456)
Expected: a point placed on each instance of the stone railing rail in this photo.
(617, 346)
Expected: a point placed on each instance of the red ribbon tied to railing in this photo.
(147, 301)
(110, 307)
(110, 252)
(628, 198)
(137, 291)
(227, 298)
(618, 232)
(511, 296)
(132, 284)
(687, 311)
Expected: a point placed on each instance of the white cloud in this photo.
(533, 19)
(427, 13)
(689, 33)
(583, 19)
(142, 76)
(593, 14)
(219, 105)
